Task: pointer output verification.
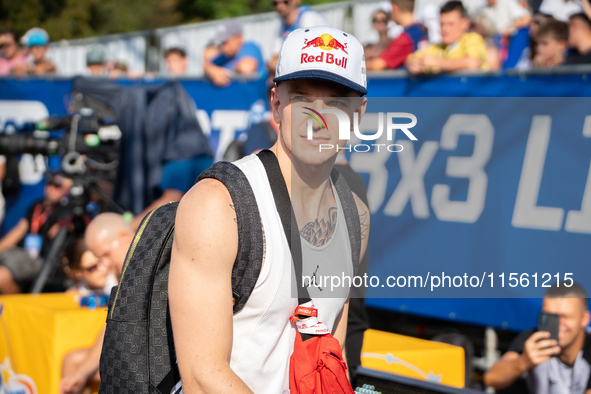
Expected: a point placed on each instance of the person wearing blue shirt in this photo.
(232, 54)
(293, 16)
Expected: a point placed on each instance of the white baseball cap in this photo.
(323, 52)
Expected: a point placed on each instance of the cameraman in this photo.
(22, 249)
(532, 352)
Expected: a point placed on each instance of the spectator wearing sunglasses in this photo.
(23, 248)
(87, 270)
(12, 55)
(293, 16)
(380, 21)
(413, 38)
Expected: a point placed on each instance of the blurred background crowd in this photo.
(108, 46)
(499, 34)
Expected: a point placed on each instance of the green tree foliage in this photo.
(67, 19)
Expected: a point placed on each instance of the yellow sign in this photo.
(36, 332)
(416, 358)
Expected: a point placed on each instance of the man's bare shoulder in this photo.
(206, 218)
(206, 195)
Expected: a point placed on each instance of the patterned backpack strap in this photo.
(351, 214)
(249, 258)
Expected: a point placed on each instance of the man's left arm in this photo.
(248, 62)
(474, 49)
(247, 65)
(444, 64)
(340, 328)
(364, 221)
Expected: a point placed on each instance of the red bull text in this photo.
(325, 42)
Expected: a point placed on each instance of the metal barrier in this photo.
(134, 50)
(70, 55)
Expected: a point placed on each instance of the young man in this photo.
(232, 55)
(458, 50)
(219, 352)
(412, 39)
(293, 17)
(579, 39)
(37, 41)
(551, 43)
(96, 61)
(533, 352)
(176, 61)
(507, 16)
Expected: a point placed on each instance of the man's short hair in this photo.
(560, 290)
(176, 51)
(454, 5)
(582, 17)
(405, 5)
(556, 29)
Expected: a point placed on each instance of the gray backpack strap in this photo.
(249, 258)
(351, 214)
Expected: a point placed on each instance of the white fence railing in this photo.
(132, 48)
(70, 56)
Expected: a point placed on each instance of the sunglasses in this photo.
(276, 3)
(380, 21)
(56, 184)
(90, 269)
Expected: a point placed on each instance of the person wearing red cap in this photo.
(247, 352)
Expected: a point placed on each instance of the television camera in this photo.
(88, 149)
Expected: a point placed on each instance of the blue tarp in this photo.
(491, 236)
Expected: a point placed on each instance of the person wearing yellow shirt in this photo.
(458, 50)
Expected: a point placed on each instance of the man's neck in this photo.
(291, 17)
(556, 60)
(584, 46)
(306, 184)
(16, 55)
(569, 354)
(406, 19)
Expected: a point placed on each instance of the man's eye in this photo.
(336, 103)
(299, 98)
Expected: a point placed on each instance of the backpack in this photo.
(138, 349)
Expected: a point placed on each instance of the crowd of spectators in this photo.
(27, 55)
(502, 34)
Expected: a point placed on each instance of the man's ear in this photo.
(361, 107)
(586, 318)
(275, 103)
(465, 24)
(125, 235)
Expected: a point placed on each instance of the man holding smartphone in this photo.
(532, 351)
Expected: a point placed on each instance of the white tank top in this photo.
(263, 335)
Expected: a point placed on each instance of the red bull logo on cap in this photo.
(326, 42)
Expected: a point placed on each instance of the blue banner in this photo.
(416, 229)
(492, 200)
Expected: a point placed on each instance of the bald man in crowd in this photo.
(108, 236)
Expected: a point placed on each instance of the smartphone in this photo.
(549, 322)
